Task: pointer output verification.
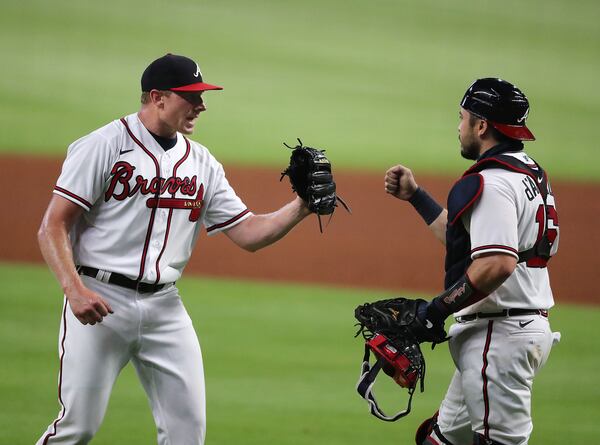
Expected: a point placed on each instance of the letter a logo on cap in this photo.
(522, 120)
(197, 73)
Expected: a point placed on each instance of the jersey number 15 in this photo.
(552, 233)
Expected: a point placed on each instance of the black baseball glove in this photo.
(393, 330)
(311, 178)
(400, 317)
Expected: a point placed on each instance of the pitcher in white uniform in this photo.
(126, 211)
(500, 229)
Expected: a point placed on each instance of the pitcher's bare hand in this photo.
(88, 306)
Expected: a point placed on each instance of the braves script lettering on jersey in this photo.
(124, 186)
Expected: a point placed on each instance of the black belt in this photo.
(504, 313)
(122, 280)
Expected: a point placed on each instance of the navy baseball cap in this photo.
(174, 73)
(502, 104)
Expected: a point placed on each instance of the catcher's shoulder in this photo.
(463, 195)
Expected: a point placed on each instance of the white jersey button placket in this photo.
(166, 166)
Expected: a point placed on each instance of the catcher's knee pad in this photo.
(479, 439)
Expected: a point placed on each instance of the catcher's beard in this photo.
(469, 149)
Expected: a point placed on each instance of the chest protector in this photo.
(465, 193)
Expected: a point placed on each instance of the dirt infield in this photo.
(383, 244)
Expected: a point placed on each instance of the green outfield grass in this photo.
(375, 83)
(281, 365)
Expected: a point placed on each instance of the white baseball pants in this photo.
(155, 332)
(490, 393)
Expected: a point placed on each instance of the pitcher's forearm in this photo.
(54, 242)
(260, 231)
(56, 249)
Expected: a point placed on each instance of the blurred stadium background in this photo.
(375, 83)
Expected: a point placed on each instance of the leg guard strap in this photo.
(425, 429)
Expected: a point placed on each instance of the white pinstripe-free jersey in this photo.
(508, 218)
(144, 206)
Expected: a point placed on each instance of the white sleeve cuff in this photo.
(72, 197)
(216, 228)
(493, 248)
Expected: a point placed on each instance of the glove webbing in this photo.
(339, 198)
(365, 384)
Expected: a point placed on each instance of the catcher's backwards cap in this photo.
(174, 73)
(501, 104)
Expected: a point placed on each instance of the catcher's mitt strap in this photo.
(365, 389)
(463, 195)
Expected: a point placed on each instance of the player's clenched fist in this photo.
(87, 306)
(400, 182)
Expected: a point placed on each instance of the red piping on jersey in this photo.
(226, 223)
(164, 246)
(60, 369)
(151, 223)
(470, 203)
(486, 400)
(185, 156)
(495, 246)
(74, 196)
(187, 152)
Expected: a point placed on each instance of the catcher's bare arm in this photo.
(400, 183)
(488, 272)
(259, 231)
